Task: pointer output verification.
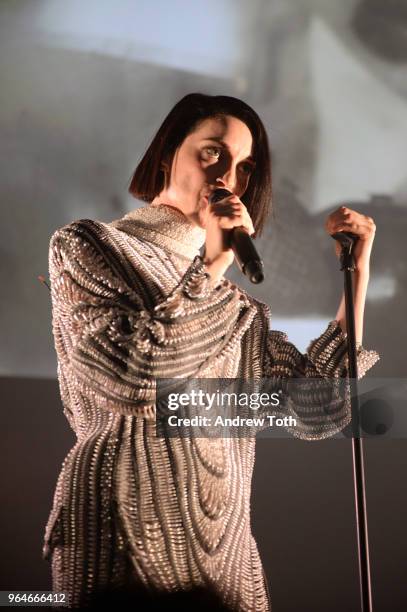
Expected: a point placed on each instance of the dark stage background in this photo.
(84, 86)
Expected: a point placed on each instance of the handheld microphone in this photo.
(242, 245)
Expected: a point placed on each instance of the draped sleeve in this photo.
(113, 344)
(312, 385)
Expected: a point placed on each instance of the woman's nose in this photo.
(221, 182)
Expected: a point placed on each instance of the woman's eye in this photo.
(247, 168)
(212, 151)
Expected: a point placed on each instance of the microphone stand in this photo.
(347, 241)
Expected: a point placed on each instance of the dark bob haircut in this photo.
(148, 179)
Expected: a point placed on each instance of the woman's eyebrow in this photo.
(220, 141)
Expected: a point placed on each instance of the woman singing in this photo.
(134, 301)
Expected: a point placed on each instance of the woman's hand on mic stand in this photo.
(347, 220)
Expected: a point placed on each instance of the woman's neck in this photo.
(164, 198)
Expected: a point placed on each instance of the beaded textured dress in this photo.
(131, 303)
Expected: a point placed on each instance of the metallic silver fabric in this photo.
(131, 303)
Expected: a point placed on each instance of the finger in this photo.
(345, 210)
(353, 224)
(345, 227)
(225, 204)
(360, 229)
(228, 210)
(220, 208)
(340, 218)
(339, 214)
(230, 223)
(229, 213)
(232, 217)
(232, 198)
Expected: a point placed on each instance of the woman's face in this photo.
(218, 148)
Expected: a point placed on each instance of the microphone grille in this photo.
(219, 194)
